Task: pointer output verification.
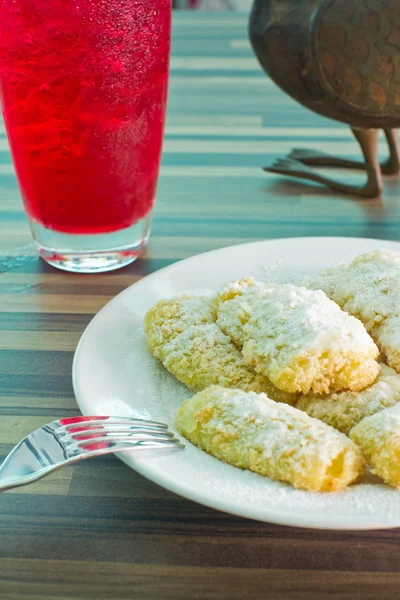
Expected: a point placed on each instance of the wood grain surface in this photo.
(98, 529)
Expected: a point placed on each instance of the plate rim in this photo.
(301, 518)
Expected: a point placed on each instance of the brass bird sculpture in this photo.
(341, 59)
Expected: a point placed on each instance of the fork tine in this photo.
(88, 423)
(105, 434)
(99, 443)
(93, 439)
(121, 438)
(175, 443)
(108, 428)
(129, 445)
(122, 430)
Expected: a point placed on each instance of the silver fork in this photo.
(71, 439)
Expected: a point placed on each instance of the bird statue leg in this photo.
(391, 166)
(368, 140)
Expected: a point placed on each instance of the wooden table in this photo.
(98, 530)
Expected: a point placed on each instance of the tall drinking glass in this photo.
(83, 88)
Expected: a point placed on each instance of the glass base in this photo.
(94, 253)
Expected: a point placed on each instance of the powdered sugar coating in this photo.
(252, 432)
(369, 289)
(378, 437)
(168, 318)
(297, 337)
(181, 332)
(344, 410)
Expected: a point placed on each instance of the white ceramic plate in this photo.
(113, 374)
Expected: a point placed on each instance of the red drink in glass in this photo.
(83, 87)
